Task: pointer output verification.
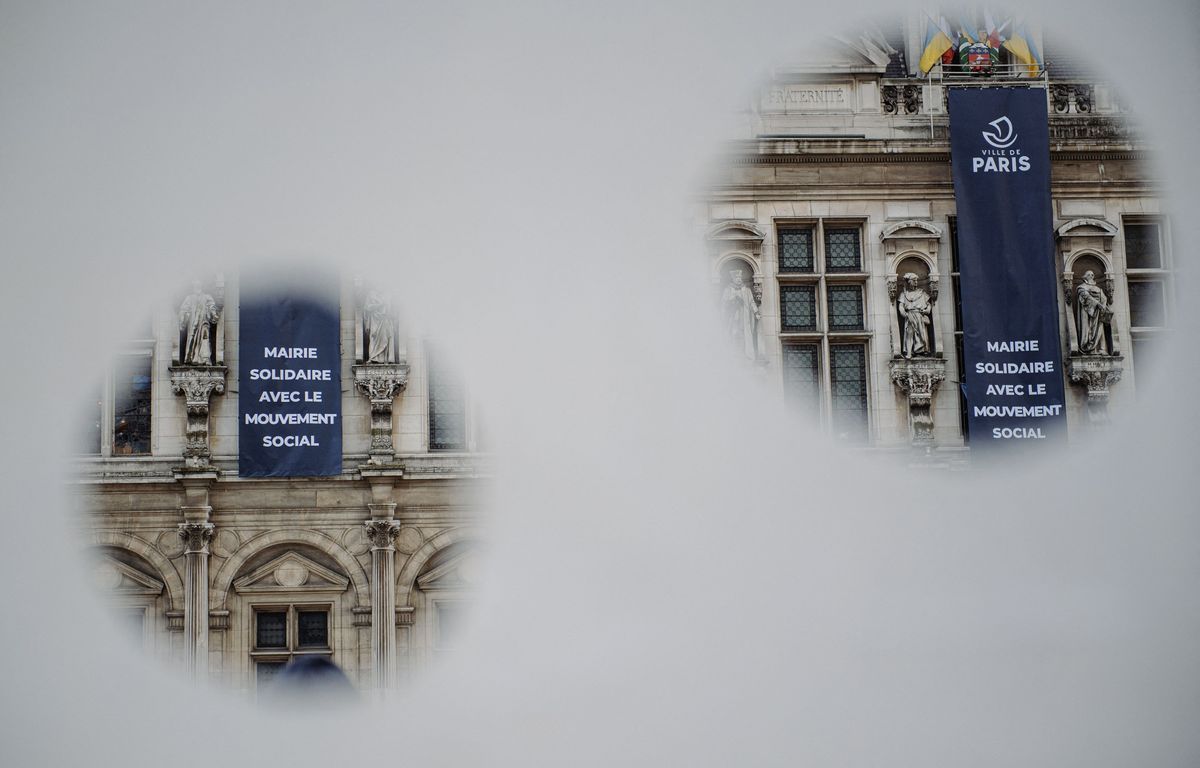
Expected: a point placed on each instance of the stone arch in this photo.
(927, 259)
(742, 258)
(893, 229)
(407, 576)
(148, 552)
(1068, 229)
(223, 581)
(1082, 253)
(735, 229)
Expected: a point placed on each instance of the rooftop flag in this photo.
(937, 42)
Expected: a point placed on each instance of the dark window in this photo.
(313, 629)
(447, 407)
(848, 378)
(1143, 248)
(845, 308)
(795, 250)
(843, 252)
(798, 307)
(271, 630)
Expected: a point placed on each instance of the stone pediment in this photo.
(455, 573)
(910, 228)
(119, 578)
(291, 572)
(1087, 228)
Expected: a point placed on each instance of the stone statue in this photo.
(915, 311)
(197, 316)
(1092, 313)
(380, 329)
(741, 314)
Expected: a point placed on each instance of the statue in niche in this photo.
(197, 317)
(741, 314)
(380, 328)
(1092, 314)
(916, 309)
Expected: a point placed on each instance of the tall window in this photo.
(1148, 283)
(117, 419)
(283, 632)
(822, 322)
(131, 405)
(447, 405)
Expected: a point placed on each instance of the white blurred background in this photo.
(679, 575)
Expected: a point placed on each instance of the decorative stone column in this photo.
(197, 383)
(1097, 373)
(919, 377)
(196, 536)
(196, 531)
(381, 383)
(382, 533)
(381, 530)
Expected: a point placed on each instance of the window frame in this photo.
(822, 278)
(1145, 337)
(107, 404)
(292, 649)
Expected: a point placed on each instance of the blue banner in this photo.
(1000, 156)
(289, 384)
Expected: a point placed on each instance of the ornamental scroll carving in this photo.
(919, 378)
(380, 384)
(382, 533)
(197, 384)
(195, 537)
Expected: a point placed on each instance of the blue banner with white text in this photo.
(289, 384)
(1000, 157)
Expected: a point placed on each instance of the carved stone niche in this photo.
(743, 329)
(200, 318)
(376, 327)
(1094, 358)
(381, 369)
(736, 244)
(197, 383)
(911, 246)
(918, 365)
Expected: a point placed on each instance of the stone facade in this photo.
(845, 162)
(228, 577)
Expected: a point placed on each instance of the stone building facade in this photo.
(231, 577)
(841, 186)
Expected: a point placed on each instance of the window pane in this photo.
(271, 630)
(313, 629)
(1146, 303)
(798, 307)
(265, 671)
(131, 417)
(447, 407)
(800, 373)
(842, 251)
(1142, 247)
(845, 308)
(795, 250)
(848, 398)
